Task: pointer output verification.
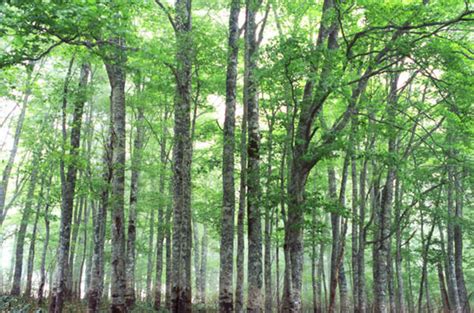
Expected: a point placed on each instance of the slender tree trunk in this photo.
(203, 269)
(31, 253)
(458, 245)
(442, 287)
(16, 139)
(382, 247)
(269, 220)
(450, 261)
(99, 222)
(168, 250)
(239, 287)
(355, 227)
(68, 192)
(83, 256)
(398, 258)
(45, 244)
(197, 260)
(163, 227)
(20, 239)
(181, 295)
(226, 270)
(117, 77)
(76, 224)
(254, 278)
(130, 297)
(149, 263)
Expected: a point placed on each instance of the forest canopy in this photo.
(237, 155)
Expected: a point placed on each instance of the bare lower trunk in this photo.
(163, 224)
(239, 287)
(228, 203)
(130, 296)
(20, 240)
(442, 287)
(16, 139)
(181, 294)
(254, 278)
(99, 221)
(203, 268)
(453, 291)
(31, 253)
(458, 245)
(68, 192)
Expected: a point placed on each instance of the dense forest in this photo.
(237, 155)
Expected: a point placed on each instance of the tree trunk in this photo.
(99, 222)
(31, 253)
(453, 291)
(382, 248)
(197, 260)
(45, 244)
(458, 245)
(181, 295)
(117, 76)
(203, 269)
(20, 240)
(226, 271)
(239, 287)
(442, 287)
(16, 139)
(255, 283)
(130, 297)
(68, 192)
(163, 227)
(398, 258)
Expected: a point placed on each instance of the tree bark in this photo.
(45, 244)
(31, 253)
(453, 291)
(117, 76)
(181, 295)
(458, 245)
(21, 234)
(163, 227)
(68, 192)
(16, 139)
(130, 296)
(203, 269)
(255, 283)
(226, 271)
(239, 288)
(99, 221)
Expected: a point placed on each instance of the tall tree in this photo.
(228, 207)
(182, 151)
(255, 271)
(16, 139)
(68, 190)
(138, 142)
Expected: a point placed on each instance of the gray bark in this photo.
(21, 234)
(239, 288)
(181, 295)
(458, 245)
(117, 76)
(254, 278)
(31, 253)
(16, 139)
(45, 244)
(130, 296)
(96, 287)
(163, 227)
(228, 202)
(68, 192)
